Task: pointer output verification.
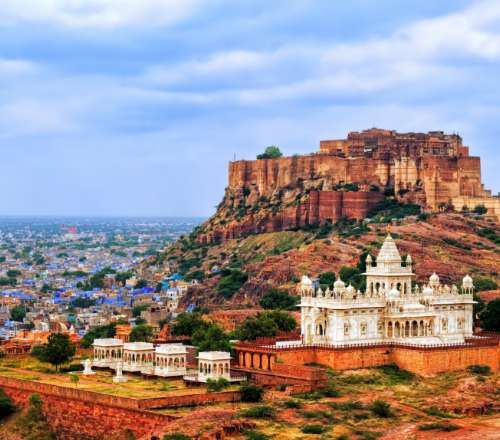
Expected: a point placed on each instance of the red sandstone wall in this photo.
(82, 415)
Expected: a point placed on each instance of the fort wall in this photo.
(77, 414)
(424, 361)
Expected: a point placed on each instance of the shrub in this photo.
(251, 393)
(292, 404)
(231, 283)
(313, 429)
(255, 435)
(490, 316)
(482, 283)
(259, 412)
(381, 408)
(271, 152)
(347, 406)
(279, 299)
(214, 385)
(7, 406)
(395, 374)
(436, 412)
(481, 370)
(446, 427)
(480, 209)
(176, 436)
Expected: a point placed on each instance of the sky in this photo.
(135, 107)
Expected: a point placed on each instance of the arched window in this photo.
(363, 329)
(347, 329)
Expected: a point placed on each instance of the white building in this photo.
(138, 356)
(389, 310)
(107, 352)
(213, 365)
(170, 360)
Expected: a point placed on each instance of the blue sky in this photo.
(128, 107)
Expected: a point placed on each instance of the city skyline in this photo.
(136, 112)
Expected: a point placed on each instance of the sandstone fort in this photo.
(347, 178)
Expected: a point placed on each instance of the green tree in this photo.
(211, 338)
(102, 331)
(7, 406)
(480, 209)
(141, 283)
(141, 333)
(17, 313)
(231, 282)
(251, 393)
(326, 279)
(279, 299)
(58, 350)
(490, 317)
(187, 323)
(254, 327)
(13, 273)
(482, 283)
(271, 152)
(74, 379)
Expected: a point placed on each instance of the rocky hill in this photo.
(238, 272)
(283, 217)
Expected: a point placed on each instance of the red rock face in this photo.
(319, 207)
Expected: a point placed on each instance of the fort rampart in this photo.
(77, 414)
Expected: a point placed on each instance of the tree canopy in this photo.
(17, 313)
(187, 323)
(141, 333)
(279, 299)
(211, 338)
(102, 331)
(490, 317)
(265, 324)
(58, 350)
(271, 152)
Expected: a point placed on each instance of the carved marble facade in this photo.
(390, 309)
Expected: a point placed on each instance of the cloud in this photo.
(97, 13)
(16, 67)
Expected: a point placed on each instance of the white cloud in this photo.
(97, 13)
(34, 117)
(16, 67)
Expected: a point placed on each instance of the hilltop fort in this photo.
(349, 178)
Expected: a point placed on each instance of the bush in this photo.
(211, 338)
(436, 412)
(279, 299)
(271, 152)
(482, 283)
(480, 209)
(490, 316)
(313, 429)
(251, 393)
(395, 374)
(33, 424)
(446, 427)
(381, 408)
(292, 404)
(259, 412)
(481, 370)
(231, 283)
(7, 406)
(214, 385)
(176, 436)
(347, 406)
(255, 435)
